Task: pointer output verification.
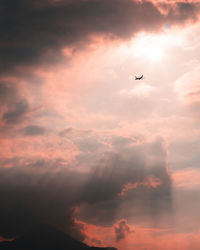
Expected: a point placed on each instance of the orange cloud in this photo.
(150, 181)
(122, 230)
(143, 238)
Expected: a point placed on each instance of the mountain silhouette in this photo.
(46, 237)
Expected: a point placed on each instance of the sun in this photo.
(154, 53)
(148, 47)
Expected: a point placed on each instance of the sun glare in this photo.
(154, 53)
(149, 47)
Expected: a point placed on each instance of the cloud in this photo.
(32, 195)
(178, 10)
(150, 181)
(183, 11)
(54, 166)
(38, 190)
(142, 90)
(145, 238)
(13, 106)
(122, 229)
(33, 130)
(40, 30)
(110, 173)
(17, 112)
(187, 87)
(188, 92)
(187, 178)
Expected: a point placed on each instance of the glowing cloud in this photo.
(153, 48)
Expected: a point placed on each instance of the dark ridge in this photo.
(46, 237)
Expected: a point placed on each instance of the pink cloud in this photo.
(150, 181)
(187, 178)
(143, 238)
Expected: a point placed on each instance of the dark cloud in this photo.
(127, 164)
(13, 106)
(16, 112)
(39, 191)
(7, 93)
(30, 196)
(34, 130)
(130, 163)
(183, 11)
(122, 229)
(33, 33)
(72, 132)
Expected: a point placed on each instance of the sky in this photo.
(84, 146)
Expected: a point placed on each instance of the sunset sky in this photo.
(84, 147)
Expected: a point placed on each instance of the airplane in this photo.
(139, 78)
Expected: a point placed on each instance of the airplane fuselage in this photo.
(138, 78)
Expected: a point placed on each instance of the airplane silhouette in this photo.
(138, 78)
